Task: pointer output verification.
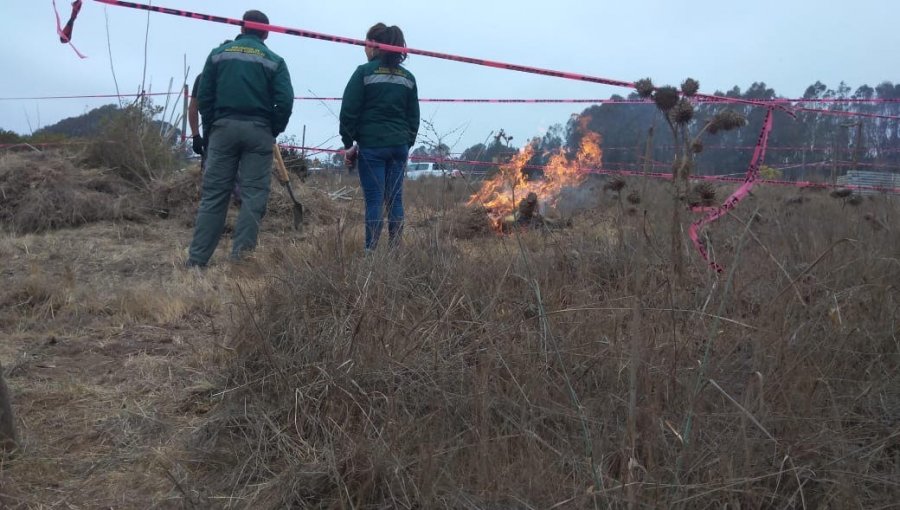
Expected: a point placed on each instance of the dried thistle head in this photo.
(841, 193)
(683, 112)
(697, 147)
(704, 193)
(706, 190)
(644, 88)
(666, 98)
(690, 87)
(726, 120)
(614, 184)
(634, 198)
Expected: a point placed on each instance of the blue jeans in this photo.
(381, 172)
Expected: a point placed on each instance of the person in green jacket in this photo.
(380, 112)
(245, 100)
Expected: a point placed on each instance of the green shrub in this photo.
(7, 136)
(134, 145)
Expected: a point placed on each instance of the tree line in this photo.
(810, 146)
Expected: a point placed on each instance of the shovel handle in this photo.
(280, 169)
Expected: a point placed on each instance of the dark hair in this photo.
(258, 17)
(384, 34)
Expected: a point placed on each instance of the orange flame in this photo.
(500, 194)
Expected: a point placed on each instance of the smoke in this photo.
(587, 195)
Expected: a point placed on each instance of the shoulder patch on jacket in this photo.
(245, 49)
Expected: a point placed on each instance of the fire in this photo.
(501, 193)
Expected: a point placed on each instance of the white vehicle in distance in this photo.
(415, 171)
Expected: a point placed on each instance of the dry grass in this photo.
(567, 368)
(557, 368)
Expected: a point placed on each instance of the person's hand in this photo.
(350, 156)
(198, 144)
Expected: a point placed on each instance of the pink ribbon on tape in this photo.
(759, 153)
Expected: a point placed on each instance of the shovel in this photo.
(285, 180)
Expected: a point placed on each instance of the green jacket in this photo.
(245, 79)
(380, 107)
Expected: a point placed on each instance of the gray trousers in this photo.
(233, 145)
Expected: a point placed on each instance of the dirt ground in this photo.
(105, 341)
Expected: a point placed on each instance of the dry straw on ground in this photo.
(40, 192)
(553, 368)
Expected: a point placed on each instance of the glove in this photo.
(350, 156)
(198, 144)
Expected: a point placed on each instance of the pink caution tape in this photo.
(400, 49)
(849, 114)
(359, 42)
(636, 173)
(735, 198)
(90, 96)
(718, 99)
(784, 104)
(600, 171)
(776, 102)
(750, 148)
(516, 101)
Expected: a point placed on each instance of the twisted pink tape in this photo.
(62, 35)
(739, 194)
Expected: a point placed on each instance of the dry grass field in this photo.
(561, 367)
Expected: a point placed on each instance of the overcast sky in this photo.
(788, 44)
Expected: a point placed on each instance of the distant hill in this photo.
(82, 126)
(87, 125)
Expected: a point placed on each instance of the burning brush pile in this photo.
(512, 199)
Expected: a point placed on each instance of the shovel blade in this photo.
(298, 216)
(297, 210)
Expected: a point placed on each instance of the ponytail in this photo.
(393, 36)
